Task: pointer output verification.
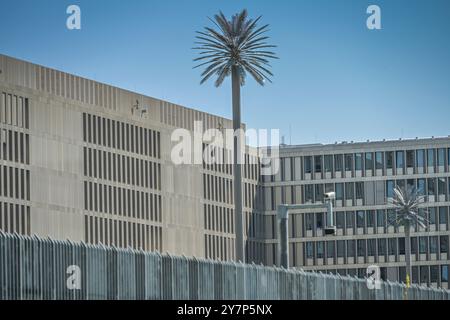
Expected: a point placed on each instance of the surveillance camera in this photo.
(330, 195)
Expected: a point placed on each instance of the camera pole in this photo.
(283, 223)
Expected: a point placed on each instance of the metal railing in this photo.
(36, 268)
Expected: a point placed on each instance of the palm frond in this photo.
(237, 42)
(406, 203)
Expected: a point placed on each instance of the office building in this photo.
(363, 176)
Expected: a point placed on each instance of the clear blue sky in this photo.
(335, 81)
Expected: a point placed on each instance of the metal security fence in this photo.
(36, 268)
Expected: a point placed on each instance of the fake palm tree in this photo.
(234, 48)
(406, 204)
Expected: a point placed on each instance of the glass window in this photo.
(340, 272)
(360, 223)
(371, 247)
(349, 162)
(411, 183)
(421, 186)
(339, 191)
(338, 159)
(443, 218)
(381, 247)
(340, 220)
(430, 157)
(352, 272)
(329, 187)
(370, 220)
(434, 273)
(361, 248)
(318, 164)
(444, 244)
(414, 245)
(379, 160)
(350, 219)
(330, 249)
(350, 248)
(448, 157)
(400, 159)
(401, 245)
(319, 220)
(415, 274)
(432, 217)
(309, 221)
(391, 215)
(390, 188)
(392, 246)
(401, 273)
(431, 186)
(434, 244)
(359, 186)
(389, 159)
(340, 248)
(410, 158)
(319, 193)
(309, 193)
(319, 249)
(361, 272)
(441, 157)
(448, 188)
(358, 161)
(383, 273)
(309, 250)
(328, 161)
(400, 183)
(381, 222)
(308, 164)
(369, 161)
(424, 274)
(423, 214)
(420, 158)
(423, 245)
(444, 273)
(442, 186)
(349, 190)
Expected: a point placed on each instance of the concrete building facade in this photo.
(82, 160)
